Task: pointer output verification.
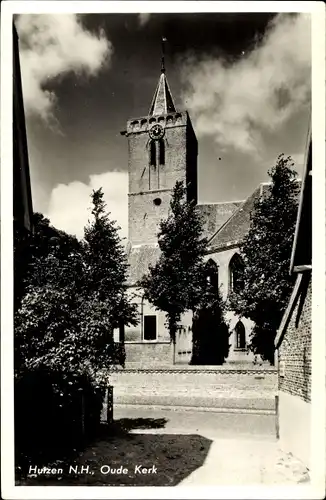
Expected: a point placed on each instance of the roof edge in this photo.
(288, 312)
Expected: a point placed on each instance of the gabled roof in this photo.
(162, 102)
(215, 215)
(236, 227)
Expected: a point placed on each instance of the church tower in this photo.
(162, 150)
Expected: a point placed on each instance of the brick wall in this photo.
(295, 349)
(144, 216)
(149, 353)
(147, 183)
(209, 387)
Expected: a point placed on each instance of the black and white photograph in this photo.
(162, 293)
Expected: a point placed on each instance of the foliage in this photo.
(106, 265)
(76, 296)
(266, 252)
(210, 333)
(173, 284)
(30, 248)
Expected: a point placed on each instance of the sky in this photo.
(245, 80)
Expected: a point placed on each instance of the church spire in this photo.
(162, 102)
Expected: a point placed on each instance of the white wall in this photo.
(294, 425)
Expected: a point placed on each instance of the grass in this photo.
(127, 444)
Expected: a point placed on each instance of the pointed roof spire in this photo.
(162, 102)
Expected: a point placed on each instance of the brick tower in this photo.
(162, 150)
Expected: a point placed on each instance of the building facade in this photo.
(293, 341)
(163, 149)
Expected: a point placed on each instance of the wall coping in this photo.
(170, 369)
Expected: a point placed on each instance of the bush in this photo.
(53, 416)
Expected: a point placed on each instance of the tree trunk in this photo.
(172, 322)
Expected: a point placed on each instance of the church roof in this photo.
(214, 215)
(236, 227)
(162, 102)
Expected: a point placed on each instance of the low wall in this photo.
(294, 426)
(213, 387)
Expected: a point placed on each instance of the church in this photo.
(163, 149)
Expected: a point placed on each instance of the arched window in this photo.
(152, 154)
(240, 335)
(162, 152)
(211, 269)
(236, 269)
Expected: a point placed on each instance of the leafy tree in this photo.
(266, 252)
(174, 283)
(75, 297)
(29, 248)
(210, 333)
(107, 266)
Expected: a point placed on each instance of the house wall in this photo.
(161, 351)
(294, 362)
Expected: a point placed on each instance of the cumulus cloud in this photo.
(70, 205)
(52, 45)
(235, 102)
(143, 18)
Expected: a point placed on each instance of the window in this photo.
(211, 269)
(162, 152)
(152, 154)
(240, 336)
(236, 269)
(150, 327)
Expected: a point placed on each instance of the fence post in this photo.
(277, 423)
(109, 404)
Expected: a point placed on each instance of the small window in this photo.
(162, 152)
(152, 154)
(240, 335)
(211, 270)
(157, 202)
(150, 327)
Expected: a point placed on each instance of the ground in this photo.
(186, 447)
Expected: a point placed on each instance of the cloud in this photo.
(52, 45)
(69, 205)
(235, 102)
(143, 18)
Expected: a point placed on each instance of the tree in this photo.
(30, 248)
(107, 266)
(210, 333)
(75, 297)
(174, 283)
(266, 252)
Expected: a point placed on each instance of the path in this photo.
(181, 448)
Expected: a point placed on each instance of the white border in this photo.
(317, 488)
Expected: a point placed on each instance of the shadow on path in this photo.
(168, 458)
(128, 424)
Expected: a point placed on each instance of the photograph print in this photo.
(162, 249)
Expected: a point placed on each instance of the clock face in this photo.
(156, 132)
